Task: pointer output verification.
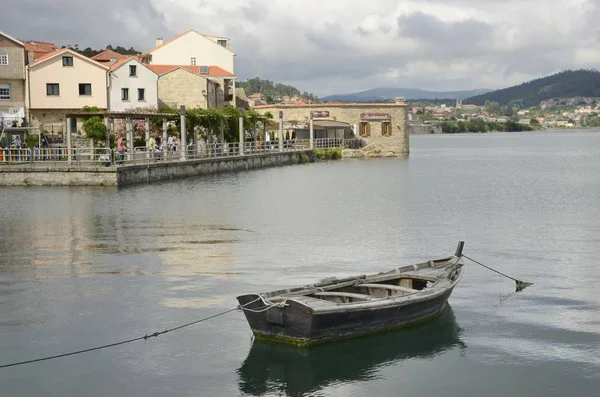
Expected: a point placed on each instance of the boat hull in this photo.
(300, 325)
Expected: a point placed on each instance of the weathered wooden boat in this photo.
(280, 369)
(342, 308)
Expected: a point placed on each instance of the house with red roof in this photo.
(63, 81)
(131, 84)
(206, 55)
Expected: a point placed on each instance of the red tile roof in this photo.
(106, 55)
(213, 71)
(39, 48)
(46, 55)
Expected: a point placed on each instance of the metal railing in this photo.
(145, 155)
(55, 156)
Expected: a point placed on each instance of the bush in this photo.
(95, 129)
(303, 158)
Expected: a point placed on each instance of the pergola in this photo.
(110, 117)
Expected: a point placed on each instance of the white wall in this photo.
(193, 44)
(119, 78)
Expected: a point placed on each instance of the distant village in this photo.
(556, 113)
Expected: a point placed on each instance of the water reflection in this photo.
(283, 369)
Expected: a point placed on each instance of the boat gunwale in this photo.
(377, 303)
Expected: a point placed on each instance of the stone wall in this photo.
(173, 170)
(422, 129)
(47, 176)
(378, 144)
(182, 87)
(15, 70)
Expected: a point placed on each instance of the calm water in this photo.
(87, 266)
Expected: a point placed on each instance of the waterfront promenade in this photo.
(106, 167)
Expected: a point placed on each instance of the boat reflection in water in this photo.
(272, 367)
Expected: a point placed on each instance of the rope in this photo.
(520, 284)
(145, 337)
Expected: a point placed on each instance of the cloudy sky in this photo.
(340, 46)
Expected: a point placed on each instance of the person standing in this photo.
(121, 148)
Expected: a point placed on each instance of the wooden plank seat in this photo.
(346, 295)
(389, 287)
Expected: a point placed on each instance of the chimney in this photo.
(29, 57)
(159, 41)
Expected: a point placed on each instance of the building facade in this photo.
(383, 126)
(192, 48)
(207, 55)
(181, 86)
(12, 80)
(132, 85)
(63, 81)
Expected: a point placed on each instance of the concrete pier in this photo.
(28, 175)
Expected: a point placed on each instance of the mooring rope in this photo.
(521, 285)
(145, 337)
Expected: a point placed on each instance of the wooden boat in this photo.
(342, 308)
(278, 369)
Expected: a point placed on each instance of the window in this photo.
(193, 61)
(222, 43)
(85, 89)
(52, 89)
(141, 94)
(204, 69)
(4, 92)
(125, 94)
(132, 71)
(67, 61)
(364, 129)
(3, 59)
(386, 128)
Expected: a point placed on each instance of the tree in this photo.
(95, 129)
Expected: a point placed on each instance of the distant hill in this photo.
(272, 90)
(570, 83)
(389, 94)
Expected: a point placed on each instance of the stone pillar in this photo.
(69, 147)
(129, 138)
(241, 125)
(149, 149)
(183, 142)
(108, 129)
(165, 138)
(195, 141)
(280, 131)
(311, 137)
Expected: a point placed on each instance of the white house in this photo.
(132, 85)
(192, 48)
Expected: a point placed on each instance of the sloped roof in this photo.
(50, 55)
(125, 60)
(107, 55)
(19, 42)
(213, 71)
(39, 48)
(183, 34)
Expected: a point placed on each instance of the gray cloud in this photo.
(328, 47)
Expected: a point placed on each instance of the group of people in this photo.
(153, 145)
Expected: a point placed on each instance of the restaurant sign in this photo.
(315, 114)
(375, 116)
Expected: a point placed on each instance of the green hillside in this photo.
(272, 91)
(570, 83)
